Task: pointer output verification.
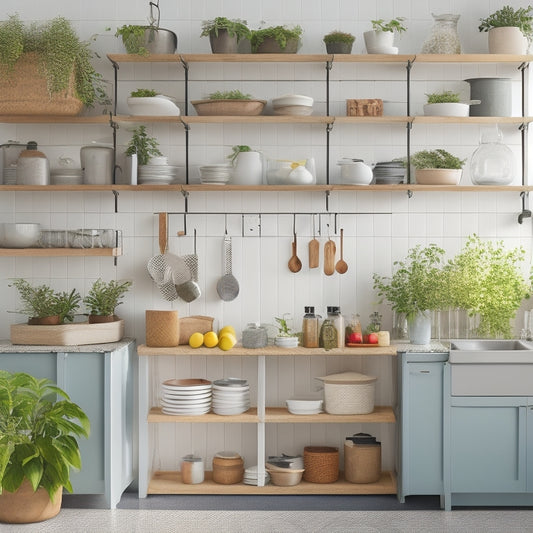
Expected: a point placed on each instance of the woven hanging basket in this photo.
(24, 92)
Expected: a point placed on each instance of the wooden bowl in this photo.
(229, 107)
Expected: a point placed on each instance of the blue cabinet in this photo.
(420, 395)
(100, 380)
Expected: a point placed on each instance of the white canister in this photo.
(33, 167)
(248, 169)
(355, 172)
(192, 469)
(98, 164)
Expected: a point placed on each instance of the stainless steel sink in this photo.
(491, 367)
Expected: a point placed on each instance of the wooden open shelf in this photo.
(60, 252)
(165, 482)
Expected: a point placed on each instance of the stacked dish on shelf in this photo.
(186, 397)
(285, 470)
(251, 476)
(157, 174)
(305, 405)
(389, 173)
(292, 104)
(66, 176)
(215, 174)
(231, 396)
(9, 175)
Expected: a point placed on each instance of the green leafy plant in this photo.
(235, 27)
(281, 34)
(133, 38)
(229, 95)
(143, 93)
(103, 298)
(283, 328)
(507, 16)
(416, 284)
(485, 278)
(393, 25)
(60, 54)
(236, 150)
(42, 301)
(338, 37)
(143, 145)
(438, 158)
(39, 426)
(444, 97)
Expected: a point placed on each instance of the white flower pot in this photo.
(507, 40)
(248, 169)
(438, 176)
(379, 42)
(447, 109)
(420, 328)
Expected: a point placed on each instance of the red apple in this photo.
(372, 338)
(355, 338)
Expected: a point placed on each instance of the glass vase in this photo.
(443, 38)
(492, 163)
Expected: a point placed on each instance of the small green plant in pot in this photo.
(338, 42)
(43, 305)
(276, 40)
(143, 145)
(103, 298)
(380, 39)
(446, 104)
(231, 102)
(225, 34)
(510, 30)
(437, 167)
(39, 428)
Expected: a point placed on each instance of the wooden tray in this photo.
(68, 334)
(362, 345)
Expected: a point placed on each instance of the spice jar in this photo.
(192, 469)
(443, 38)
(310, 332)
(330, 334)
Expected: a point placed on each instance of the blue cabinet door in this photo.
(488, 444)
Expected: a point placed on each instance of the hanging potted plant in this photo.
(45, 69)
(247, 166)
(380, 40)
(437, 167)
(103, 298)
(225, 34)
(39, 427)
(415, 289)
(276, 40)
(338, 42)
(509, 30)
(44, 306)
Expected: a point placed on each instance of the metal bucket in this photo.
(495, 96)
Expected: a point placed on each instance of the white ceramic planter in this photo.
(379, 42)
(507, 40)
(447, 109)
(248, 169)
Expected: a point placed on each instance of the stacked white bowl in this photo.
(292, 104)
(231, 396)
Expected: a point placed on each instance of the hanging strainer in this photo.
(227, 286)
(190, 290)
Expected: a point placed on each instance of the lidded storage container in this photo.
(321, 464)
(310, 331)
(254, 336)
(349, 393)
(362, 459)
(33, 167)
(192, 469)
(228, 468)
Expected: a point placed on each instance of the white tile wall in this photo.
(384, 227)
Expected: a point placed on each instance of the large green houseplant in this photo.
(39, 427)
(50, 51)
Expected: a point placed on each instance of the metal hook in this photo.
(294, 223)
(225, 223)
(194, 241)
(526, 213)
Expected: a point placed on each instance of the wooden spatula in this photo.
(329, 257)
(314, 250)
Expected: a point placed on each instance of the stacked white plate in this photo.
(156, 174)
(251, 476)
(231, 396)
(66, 176)
(215, 174)
(389, 172)
(189, 397)
(9, 175)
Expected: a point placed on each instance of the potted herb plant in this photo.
(149, 102)
(247, 166)
(437, 167)
(445, 104)
(488, 282)
(338, 42)
(509, 30)
(46, 69)
(285, 338)
(39, 428)
(43, 305)
(143, 145)
(225, 34)
(277, 40)
(103, 298)
(380, 39)
(415, 289)
(233, 102)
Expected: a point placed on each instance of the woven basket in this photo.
(192, 324)
(349, 393)
(362, 463)
(228, 471)
(25, 92)
(321, 464)
(162, 328)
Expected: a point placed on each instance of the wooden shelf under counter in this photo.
(60, 252)
(165, 482)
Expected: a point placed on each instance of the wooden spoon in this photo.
(329, 257)
(342, 266)
(295, 265)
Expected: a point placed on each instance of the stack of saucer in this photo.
(389, 173)
(251, 476)
(66, 176)
(189, 397)
(157, 174)
(9, 175)
(215, 174)
(231, 396)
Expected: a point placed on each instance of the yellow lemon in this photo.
(295, 164)
(227, 329)
(196, 340)
(210, 339)
(227, 341)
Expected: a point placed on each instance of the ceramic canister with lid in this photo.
(192, 469)
(33, 167)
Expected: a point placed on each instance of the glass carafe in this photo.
(492, 162)
(443, 38)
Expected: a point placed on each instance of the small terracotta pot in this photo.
(99, 319)
(44, 321)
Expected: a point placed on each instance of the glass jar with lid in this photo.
(492, 163)
(443, 38)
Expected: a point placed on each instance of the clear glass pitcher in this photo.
(443, 38)
(492, 162)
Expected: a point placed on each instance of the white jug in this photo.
(248, 169)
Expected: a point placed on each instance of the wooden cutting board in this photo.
(329, 257)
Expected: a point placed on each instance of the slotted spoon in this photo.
(227, 286)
